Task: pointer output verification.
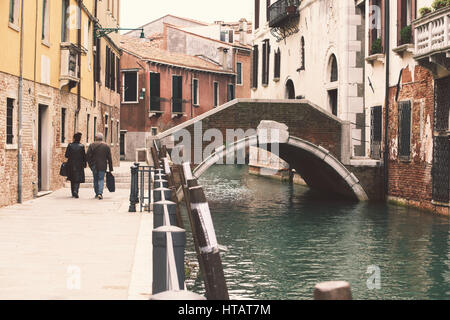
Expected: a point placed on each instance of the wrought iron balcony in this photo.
(432, 38)
(281, 11)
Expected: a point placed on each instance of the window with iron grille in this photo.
(442, 104)
(404, 130)
(9, 121)
(441, 170)
(63, 125)
(375, 132)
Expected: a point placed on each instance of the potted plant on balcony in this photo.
(405, 35)
(439, 4)
(291, 8)
(376, 46)
(424, 11)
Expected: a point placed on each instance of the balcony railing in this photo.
(432, 34)
(281, 11)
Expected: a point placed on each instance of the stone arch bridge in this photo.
(312, 141)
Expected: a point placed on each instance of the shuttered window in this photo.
(118, 74)
(256, 14)
(177, 94)
(112, 84)
(107, 67)
(130, 86)
(239, 73)
(404, 129)
(265, 62)
(155, 92)
(255, 67)
(216, 94)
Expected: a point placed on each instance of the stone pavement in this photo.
(57, 247)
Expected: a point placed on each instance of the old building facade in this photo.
(198, 64)
(163, 89)
(47, 89)
(381, 65)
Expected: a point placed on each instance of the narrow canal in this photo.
(283, 239)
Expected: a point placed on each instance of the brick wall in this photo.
(411, 180)
(53, 100)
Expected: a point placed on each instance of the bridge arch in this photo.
(315, 164)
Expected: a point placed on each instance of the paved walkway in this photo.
(57, 247)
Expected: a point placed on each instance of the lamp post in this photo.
(101, 32)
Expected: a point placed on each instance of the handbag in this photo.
(63, 169)
(110, 182)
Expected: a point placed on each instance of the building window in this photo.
(230, 92)
(277, 64)
(375, 132)
(45, 20)
(255, 67)
(112, 131)
(216, 93)
(405, 14)
(112, 83)
(14, 12)
(177, 94)
(239, 73)
(376, 26)
(256, 14)
(95, 126)
(404, 129)
(130, 86)
(155, 91)
(107, 67)
(333, 101)
(65, 21)
(154, 131)
(9, 121)
(106, 128)
(63, 125)
(265, 62)
(302, 54)
(195, 92)
(118, 74)
(97, 59)
(88, 118)
(334, 69)
(117, 132)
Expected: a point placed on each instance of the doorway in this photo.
(43, 149)
(290, 90)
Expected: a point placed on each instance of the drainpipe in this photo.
(386, 101)
(94, 39)
(79, 65)
(20, 103)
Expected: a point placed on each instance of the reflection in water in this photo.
(283, 239)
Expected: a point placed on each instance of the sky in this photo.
(135, 13)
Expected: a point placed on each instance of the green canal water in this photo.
(282, 239)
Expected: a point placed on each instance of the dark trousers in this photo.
(75, 186)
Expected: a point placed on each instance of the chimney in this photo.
(243, 31)
(224, 57)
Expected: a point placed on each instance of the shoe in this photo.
(76, 195)
(100, 197)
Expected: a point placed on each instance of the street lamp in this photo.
(101, 32)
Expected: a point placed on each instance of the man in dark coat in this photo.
(99, 157)
(76, 164)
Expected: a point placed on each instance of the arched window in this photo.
(334, 69)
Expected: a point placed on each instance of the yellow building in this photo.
(56, 78)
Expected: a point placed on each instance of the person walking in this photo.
(76, 163)
(99, 157)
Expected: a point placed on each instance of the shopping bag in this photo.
(110, 182)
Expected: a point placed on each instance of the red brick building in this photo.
(161, 89)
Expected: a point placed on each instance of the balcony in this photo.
(432, 39)
(282, 11)
(69, 65)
